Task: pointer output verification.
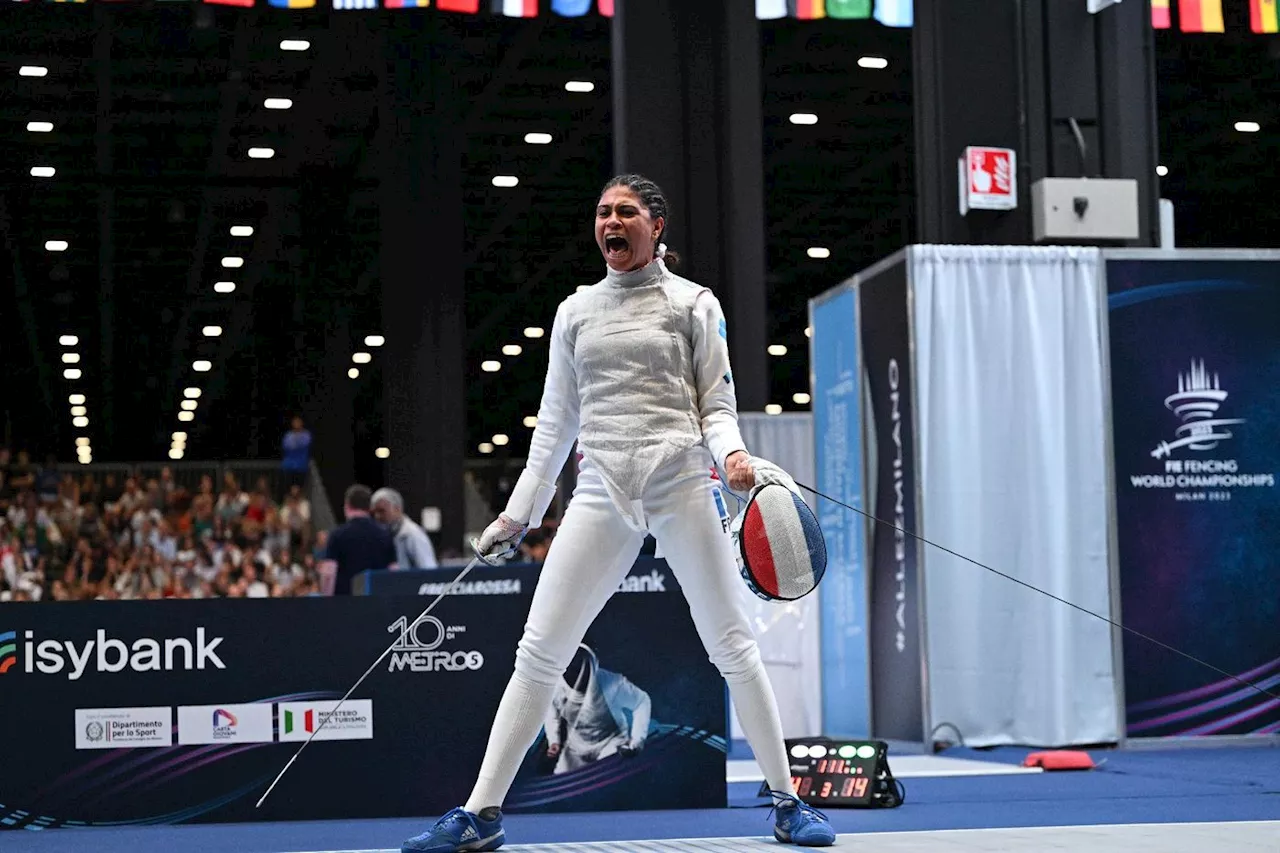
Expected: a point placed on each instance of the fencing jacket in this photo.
(639, 374)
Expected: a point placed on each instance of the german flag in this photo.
(808, 10)
(1263, 17)
(1200, 16)
(1161, 18)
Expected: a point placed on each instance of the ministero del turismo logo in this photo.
(1199, 403)
(8, 651)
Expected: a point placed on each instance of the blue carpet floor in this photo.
(1129, 786)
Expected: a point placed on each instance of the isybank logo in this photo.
(105, 654)
(8, 651)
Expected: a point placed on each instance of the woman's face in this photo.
(625, 232)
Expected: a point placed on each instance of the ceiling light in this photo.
(180, 436)
(511, 349)
(56, 245)
(211, 331)
(277, 103)
(191, 393)
(261, 153)
(773, 409)
(505, 180)
(501, 440)
(79, 411)
(68, 340)
(490, 366)
(80, 422)
(872, 62)
(353, 373)
(76, 399)
(224, 287)
(777, 349)
(374, 340)
(361, 357)
(186, 416)
(86, 459)
(32, 71)
(383, 453)
(486, 447)
(537, 138)
(579, 86)
(801, 398)
(84, 451)
(71, 373)
(71, 358)
(533, 332)
(295, 44)
(43, 171)
(808, 331)
(1248, 126)
(40, 126)
(232, 262)
(189, 405)
(819, 252)
(531, 421)
(175, 453)
(241, 230)
(82, 441)
(201, 366)
(804, 118)
(1162, 170)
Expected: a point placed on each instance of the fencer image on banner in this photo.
(1195, 398)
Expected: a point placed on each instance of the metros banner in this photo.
(1195, 397)
(122, 713)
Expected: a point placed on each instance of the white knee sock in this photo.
(520, 714)
(758, 712)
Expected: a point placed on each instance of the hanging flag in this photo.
(243, 3)
(293, 4)
(571, 8)
(770, 10)
(1200, 16)
(516, 8)
(808, 10)
(355, 4)
(468, 6)
(894, 13)
(1161, 18)
(606, 8)
(407, 4)
(1263, 17)
(848, 8)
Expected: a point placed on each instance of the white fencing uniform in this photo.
(639, 375)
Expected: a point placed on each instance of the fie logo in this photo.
(8, 651)
(1196, 403)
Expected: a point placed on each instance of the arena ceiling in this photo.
(154, 107)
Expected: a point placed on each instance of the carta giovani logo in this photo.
(107, 655)
(8, 651)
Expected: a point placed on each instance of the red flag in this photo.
(468, 6)
(606, 8)
(1160, 16)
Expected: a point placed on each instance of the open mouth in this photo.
(615, 246)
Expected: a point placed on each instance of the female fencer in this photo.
(639, 376)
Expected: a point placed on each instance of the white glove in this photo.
(767, 472)
(499, 540)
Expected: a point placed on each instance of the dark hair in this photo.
(358, 497)
(653, 199)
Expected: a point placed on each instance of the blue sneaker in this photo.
(800, 823)
(459, 831)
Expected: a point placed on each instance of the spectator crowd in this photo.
(65, 537)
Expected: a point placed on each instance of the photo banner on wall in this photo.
(897, 658)
(1195, 397)
(184, 711)
(837, 427)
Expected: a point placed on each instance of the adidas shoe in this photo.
(459, 831)
(801, 824)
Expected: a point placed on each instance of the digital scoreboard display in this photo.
(841, 773)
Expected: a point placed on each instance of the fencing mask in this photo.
(781, 553)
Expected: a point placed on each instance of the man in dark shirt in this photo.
(359, 545)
